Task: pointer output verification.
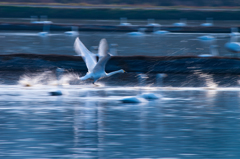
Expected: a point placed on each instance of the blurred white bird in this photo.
(139, 33)
(96, 70)
(233, 45)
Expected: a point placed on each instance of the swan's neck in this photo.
(114, 72)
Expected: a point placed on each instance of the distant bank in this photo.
(108, 12)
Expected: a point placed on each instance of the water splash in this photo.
(64, 79)
(29, 80)
(46, 78)
(208, 80)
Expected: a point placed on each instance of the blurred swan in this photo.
(234, 32)
(182, 23)
(74, 31)
(43, 20)
(213, 51)
(157, 30)
(209, 23)
(233, 45)
(149, 96)
(45, 31)
(144, 97)
(123, 22)
(139, 33)
(96, 70)
(206, 38)
(59, 72)
(134, 99)
(152, 23)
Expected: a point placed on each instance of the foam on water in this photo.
(208, 80)
(46, 78)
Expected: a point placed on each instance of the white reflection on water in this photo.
(90, 122)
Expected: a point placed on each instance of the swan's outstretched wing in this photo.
(103, 48)
(86, 54)
(100, 67)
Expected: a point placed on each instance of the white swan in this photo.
(143, 97)
(138, 33)
(45, 31)
(206, 38)
(134, 99)
(151, 22)
(213, 51)
(157, 30)
(123, 22)
(149, 96)
(209, 23)
(234, 32)
(59, 72)
(182, 23)
(73, 32)
(233, 45)
(96, 70)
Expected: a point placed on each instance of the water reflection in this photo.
(91, 123)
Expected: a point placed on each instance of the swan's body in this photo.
(125, 24)
(134, 99)
(56, 93)
(157, 30)
(96, 70)
(73, 32)
(234, 32)
(207, 24)
(180, 24)
(233, 45)
(206, 38)
(154, 24)
(42, 22)
(161, 32)
(138, 33)
(213, 52)
(149, 96)
(45, 31)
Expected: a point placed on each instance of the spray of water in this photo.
(64, 79)
(46, 78)
(208, 79)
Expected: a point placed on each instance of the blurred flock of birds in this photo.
(233, 45)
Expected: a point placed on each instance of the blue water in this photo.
(90, 122)
(197, 117)
(173, 44)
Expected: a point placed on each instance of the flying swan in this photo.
(96, 70)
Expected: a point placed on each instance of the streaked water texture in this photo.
(173, 44)
(90, 122)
